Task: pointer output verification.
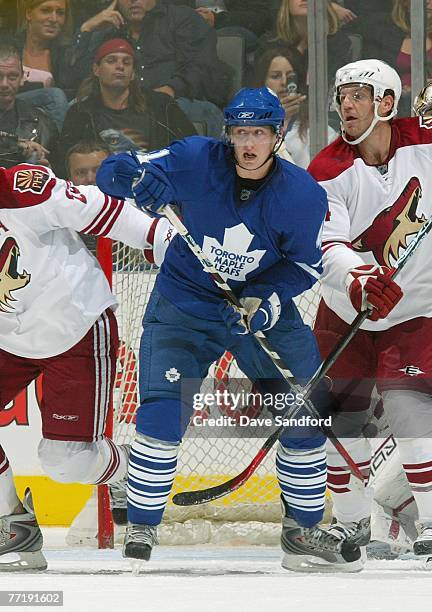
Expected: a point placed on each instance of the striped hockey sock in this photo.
(302, 477)
(152, 468)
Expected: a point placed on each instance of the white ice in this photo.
(210, 578)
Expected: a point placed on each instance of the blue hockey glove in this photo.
(116, 174)
(261, 314)
(233, 319)
(152, 190)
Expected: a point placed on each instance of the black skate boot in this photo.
(118, 495)
(316, 550)
(20, 534)
(423, 544)
(139, 541)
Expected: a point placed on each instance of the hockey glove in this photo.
(152, 189)
(261, 315)
(371, 285)
(116, 174)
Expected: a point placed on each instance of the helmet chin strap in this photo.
(370, 128)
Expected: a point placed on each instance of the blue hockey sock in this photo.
(302, 476)
(152, 469)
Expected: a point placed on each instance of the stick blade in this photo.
(203, 496)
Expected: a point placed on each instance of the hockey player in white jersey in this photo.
(379, 185)
(57, 319)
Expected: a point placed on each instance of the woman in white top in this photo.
(284, 70)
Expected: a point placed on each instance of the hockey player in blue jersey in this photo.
(258, 219)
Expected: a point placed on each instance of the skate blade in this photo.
(316, 565)
(136, 565)
(27, 561)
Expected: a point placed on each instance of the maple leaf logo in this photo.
(232, 259)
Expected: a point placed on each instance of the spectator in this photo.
(175, 51)
(402, 61)
(36, 134)
(386, 33)
(112, 108)
(283, 69)
(344, 13)
(291, 29)
(83, 160)
(375, 26)
(247, 18)
(43, 29)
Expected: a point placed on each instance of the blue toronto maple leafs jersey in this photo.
(271, 242)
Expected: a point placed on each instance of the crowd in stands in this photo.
(80, 78)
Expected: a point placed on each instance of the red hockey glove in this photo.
(371, 285)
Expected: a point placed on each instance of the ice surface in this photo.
(210, 578)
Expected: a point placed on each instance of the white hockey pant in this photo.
(409, 414)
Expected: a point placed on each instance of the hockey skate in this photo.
(317, 550)
(20, 535)
(138, 544)
(118, 495)
(423, 544)
(358, 533)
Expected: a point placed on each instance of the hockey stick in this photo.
(303, 393)
(187, 498)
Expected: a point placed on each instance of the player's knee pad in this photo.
(163, 419)
(409, 413)
(84, 462)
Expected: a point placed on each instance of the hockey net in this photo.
(249, 515)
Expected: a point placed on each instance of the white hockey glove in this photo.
(261, 314)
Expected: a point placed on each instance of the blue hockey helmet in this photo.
(259, 106)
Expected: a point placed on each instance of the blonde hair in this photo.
(402, 18)
(28, 5)
(285, 26)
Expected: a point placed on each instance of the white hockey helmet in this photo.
(380, 77)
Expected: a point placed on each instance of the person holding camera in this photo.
(284, 70)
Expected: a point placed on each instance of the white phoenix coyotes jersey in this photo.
(374, 213)
(52, 289)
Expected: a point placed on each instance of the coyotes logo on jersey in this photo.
(33, 180)
(391, 227)
(10, 279)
